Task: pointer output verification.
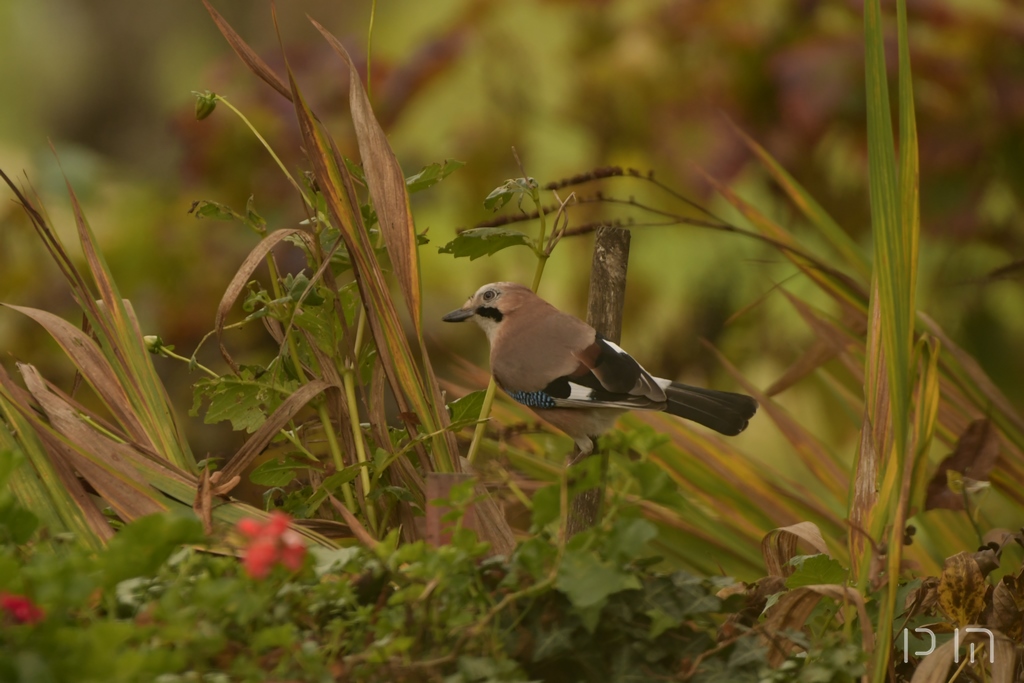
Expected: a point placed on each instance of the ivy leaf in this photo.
(277, 472)
(477, 242)
(432, 175)
(813, 570)
(629, 537)
(588, 581)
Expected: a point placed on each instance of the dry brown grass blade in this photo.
(275, 422)
(247, 54)
(793, 609)
(875, 443)
(63, 487)
(113, 477)
(93, 365)
(830, 341)
(358, 530)
(415, 394)
(779, 546)
(386, 184)
(241, 278)
(65, 470)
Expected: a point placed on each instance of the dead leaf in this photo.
(779, 546)
(247, 54)
(962, 589)
(386, 184)
(974, 456)
(1004, 609)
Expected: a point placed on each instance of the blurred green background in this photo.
(572, 85)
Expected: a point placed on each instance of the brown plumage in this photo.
(572, 377)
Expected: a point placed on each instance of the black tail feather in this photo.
(725, 412)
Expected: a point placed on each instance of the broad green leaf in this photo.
(477, 242)
(588, 581)
(242, 400)
(466, 408)
(432, 175)
(277, 472)
(813, 570)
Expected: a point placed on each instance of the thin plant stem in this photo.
(542, 259)
(357, 435)
(267, 146)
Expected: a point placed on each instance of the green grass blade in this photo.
(895, 224)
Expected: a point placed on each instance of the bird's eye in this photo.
(489, 295)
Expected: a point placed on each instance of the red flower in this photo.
(271, 542)
(21, 608)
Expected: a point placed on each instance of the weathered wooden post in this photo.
(605, 303)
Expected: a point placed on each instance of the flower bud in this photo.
(206, 102)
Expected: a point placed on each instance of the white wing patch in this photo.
(584, 397)
(651, 387)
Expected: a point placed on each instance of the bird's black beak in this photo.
(458, 315)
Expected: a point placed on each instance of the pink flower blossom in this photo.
(21, 608)
(271, 542)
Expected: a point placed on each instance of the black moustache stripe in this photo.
(488, 312)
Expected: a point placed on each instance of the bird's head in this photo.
(490, 305)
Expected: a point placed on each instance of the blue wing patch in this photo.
(533, 399)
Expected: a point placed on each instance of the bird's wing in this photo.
(605, 367)
(605, 376)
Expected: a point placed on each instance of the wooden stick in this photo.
(605, 304)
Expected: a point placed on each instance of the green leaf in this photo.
(467, 408)
(142, 546)
(588, 581)
(356, 170)
(629, 538)
(243, 400)
(296, 286)
(503, 194)
(16, 523)
(203, 208)
(432, 175)
(271, 637)
(277, 472)
(477, 242)
(813, 570)
(331, 485)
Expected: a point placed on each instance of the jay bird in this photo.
(574, 378)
